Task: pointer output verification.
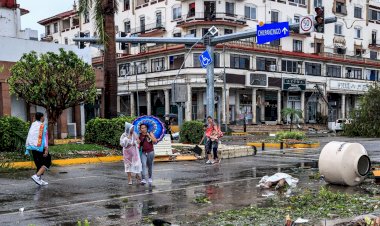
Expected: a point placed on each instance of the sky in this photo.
(41, 9)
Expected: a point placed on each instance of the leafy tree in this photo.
(366, 119)
(53, 81)
(104, 17)
(292, 113)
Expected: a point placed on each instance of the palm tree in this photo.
(104, 16)
(292, 113)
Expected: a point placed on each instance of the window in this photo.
(374, 15)
(191, 10)
(228, 31)
(373, 55)
(47, 30)
(196, 62)
(55, 27)
(157, 64)
(357, 31)
(140, 67)
(230, 9)
(250, 12)
(297, 45)
(317, 3)
(127, 26)
(176, 61)
(75, 21)
(66, 41)
(239, 61)
(291, 66)
(275, 43)
(216, 59)
(124, 70)
(193, 32)
(341, 8)
(176, 13)
(312, 69)
(372, 75)
(158, 19)
(358, 12)
(334, 71)
(142, 24)
(126, 5)
(86, 17)
(338, 29)
(296, 19)
(274, 16)
(300, 2)
(354, 73)
(265, 64)
(178, 34)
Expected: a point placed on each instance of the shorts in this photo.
(210, 145)
(40, 160)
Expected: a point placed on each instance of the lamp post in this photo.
(137, 91)
(225, 89)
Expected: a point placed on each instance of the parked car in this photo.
(340, 122)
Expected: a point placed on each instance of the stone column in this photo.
(254, 104)
(237, 105)
(132, 102)
(167, 101)
(262, 108)
(302, 120)
(118, 104)
(148, 103)
(343, 106)
(188, 104)
(200, 106)
(278, 106)
(228, 105)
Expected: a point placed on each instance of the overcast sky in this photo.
(42, 9)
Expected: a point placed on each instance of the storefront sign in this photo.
(257, 80)
(293, 84)
(294, 98)
(350, 86)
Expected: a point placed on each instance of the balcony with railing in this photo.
(373, 43)
(148, 28)
(206, 18)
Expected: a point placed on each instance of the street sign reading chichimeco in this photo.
(271, 32)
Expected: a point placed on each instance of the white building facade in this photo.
(323, 74)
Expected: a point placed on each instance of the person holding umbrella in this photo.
(147, 139)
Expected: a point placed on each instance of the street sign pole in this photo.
(210, 83)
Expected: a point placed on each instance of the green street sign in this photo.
(293, 84)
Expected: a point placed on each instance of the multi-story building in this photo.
(14, 42)
(323, 74)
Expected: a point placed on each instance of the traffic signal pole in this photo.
(210, 45)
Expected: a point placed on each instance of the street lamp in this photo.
(137, 91)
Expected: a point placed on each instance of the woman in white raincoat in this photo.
(132, 163)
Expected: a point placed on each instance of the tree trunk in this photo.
(110, 67)
(51, 124)
(291, 123)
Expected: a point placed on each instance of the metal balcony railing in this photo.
(147, 28)
(207, 16)
(374, 42)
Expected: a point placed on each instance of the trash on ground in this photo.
(301, 221)
(21, 209)
(278, 180)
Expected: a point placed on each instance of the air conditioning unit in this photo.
(272, 67)
(72, 129)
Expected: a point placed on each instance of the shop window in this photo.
(176, 61)
(291, 66)
(354, 73)
(158, 64)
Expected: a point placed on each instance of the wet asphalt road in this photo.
(101, 194)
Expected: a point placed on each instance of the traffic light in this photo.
(81, 43)
(123, 44)
(319, 19)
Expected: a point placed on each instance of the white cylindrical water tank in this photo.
(344, 163)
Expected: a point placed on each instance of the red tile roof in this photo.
(11, 4)
(57, 17)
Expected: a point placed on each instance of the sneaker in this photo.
(208, 161)
(36, 179)
(143, 181)
(130, 182)
(150, 180)
(43, 183)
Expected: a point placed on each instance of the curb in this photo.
(77, 161)
(278, 145)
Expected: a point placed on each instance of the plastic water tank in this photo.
(344, 163)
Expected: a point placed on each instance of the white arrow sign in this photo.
(284, 30)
